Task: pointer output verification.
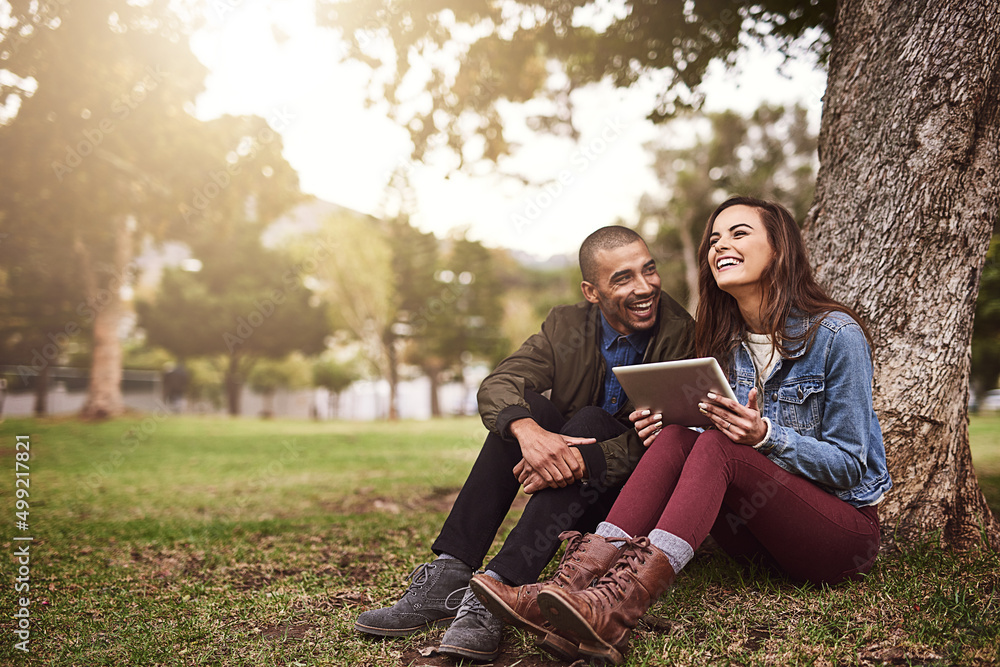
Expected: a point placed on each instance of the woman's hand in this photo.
(647, 425)
(741, 423)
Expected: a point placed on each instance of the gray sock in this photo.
(498, 577)
(615, 535)
(678, 552)
(445, 556)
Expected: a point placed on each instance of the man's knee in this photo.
(593, 422)
(543, 411)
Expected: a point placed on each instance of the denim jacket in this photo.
(819, 401)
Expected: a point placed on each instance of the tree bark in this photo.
(435, 381)
(104, 394)
(42, 392)
(907, 193)
(234, 385)
(690, 254)
(392, 373)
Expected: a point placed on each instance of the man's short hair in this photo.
(605, 238)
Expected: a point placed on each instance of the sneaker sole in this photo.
(402, 632)
(453, 651)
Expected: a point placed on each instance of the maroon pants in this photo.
(692, 484)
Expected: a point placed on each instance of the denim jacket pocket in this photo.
(800, 402)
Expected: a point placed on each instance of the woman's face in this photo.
(739, 250)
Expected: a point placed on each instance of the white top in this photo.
(765, 355)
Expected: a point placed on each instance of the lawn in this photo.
(191, 541)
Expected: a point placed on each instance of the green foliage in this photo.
(459, 319)
(334, 375)
(103, 152)
(771, 154)
(351, 260)
(206, 382)
(269, 375)
(245, 301)
(406, 295)
(544, 51)
(145, 357)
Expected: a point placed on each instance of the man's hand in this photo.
(532, 481)
(548, 454)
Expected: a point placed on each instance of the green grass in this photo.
(205, 541)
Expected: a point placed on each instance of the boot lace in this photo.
(611, 586)
(469, 604)
(570, 558)
(418, 577)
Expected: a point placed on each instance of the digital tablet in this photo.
(674, 388)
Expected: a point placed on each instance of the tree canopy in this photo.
(467, 61)
(101, 150)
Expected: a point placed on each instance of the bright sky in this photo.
(270, 59)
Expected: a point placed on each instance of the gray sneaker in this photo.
(474, 634)
(425, 604)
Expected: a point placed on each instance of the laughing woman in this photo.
(791, 475)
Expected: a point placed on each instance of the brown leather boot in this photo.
(602, 617)
(586, 558)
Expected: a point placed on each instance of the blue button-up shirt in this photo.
(619, 350)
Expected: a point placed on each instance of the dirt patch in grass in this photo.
(253, 577)
(285, 631)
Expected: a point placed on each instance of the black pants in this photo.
(491, 487)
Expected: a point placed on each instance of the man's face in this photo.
(627, 288)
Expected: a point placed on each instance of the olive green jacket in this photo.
(565, 358)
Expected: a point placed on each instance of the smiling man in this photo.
(571, 451)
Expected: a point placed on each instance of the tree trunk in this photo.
(690, 254)
(907, 193)
(392, 375)
(434, 377)
(41, 387)
(104, 394)
(268, 411)
(234, 385)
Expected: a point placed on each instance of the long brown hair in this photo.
(788, 287)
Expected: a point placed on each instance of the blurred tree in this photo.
(908, 185)
(38, 311)
(206, 383)
(355, 276)
(459, 321)
(246, 303)
(270, 375)
(771, 155)
(986, 330)
(335, 376)
(528, 292)
(415, 261)
(407, 298)
(100, 148)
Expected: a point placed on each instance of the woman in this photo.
(792, 472)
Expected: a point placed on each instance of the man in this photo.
(571, 451)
